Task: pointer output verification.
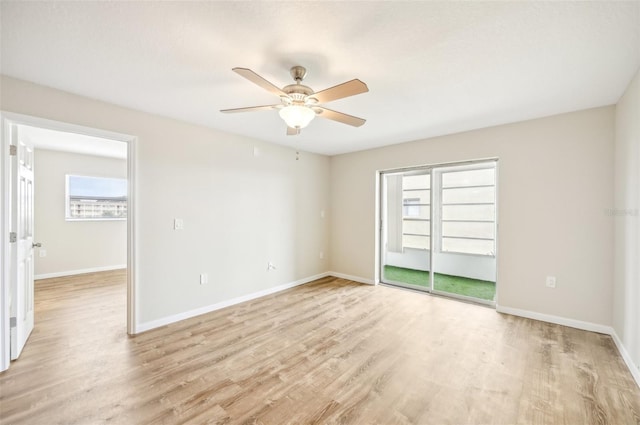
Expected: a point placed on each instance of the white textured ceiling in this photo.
(432, 68)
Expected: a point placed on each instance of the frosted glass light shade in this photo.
(297, 116)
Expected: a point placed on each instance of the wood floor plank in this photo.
(329, 352)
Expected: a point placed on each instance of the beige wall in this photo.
(626, 307)
(239, 210)
(554, 188)
(74, 245)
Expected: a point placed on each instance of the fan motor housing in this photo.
(297, 89)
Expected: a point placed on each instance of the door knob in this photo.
(36, 245)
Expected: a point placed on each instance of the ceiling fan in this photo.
(299, 104)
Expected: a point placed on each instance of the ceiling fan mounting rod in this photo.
(298, 73)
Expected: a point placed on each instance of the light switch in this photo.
(178, 224)
(551, 281)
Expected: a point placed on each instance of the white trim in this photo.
(48, 124)
(132, 236)
(351, 277)
(7, 118)
(572, 323)
(142, 327)
(377, 235)
(5, 259)
(635, 369)
(579, 324)
(79, 271)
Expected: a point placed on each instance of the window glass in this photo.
(416, 211)
(467, 229)
(468, 246)
(468, 211)
(468, 195)
(469, 178)
(96, 198)
(416, 227)
(422, 181)
(417, 242)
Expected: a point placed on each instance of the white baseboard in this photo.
(350, 277)
(79, 271)
(579, 324)
(146, 326)
(558, 320)
(635, 369)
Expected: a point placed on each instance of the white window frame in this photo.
(67, 201)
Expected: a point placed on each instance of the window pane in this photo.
(416, 196)
(469, 178)
(96, 197)
(416, 182)
(469, 246)
(419, 242)
(415, 227)
(468, 212)
(416, 211)
(468, 229)
(468, 195)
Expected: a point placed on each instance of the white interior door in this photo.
(22, 289)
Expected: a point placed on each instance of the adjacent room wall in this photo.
(241, 207)
(74, 246)
(555, 179)
(625, 214)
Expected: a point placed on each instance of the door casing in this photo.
(6, 120)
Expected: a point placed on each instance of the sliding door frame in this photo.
(381, 219)
(415, 171)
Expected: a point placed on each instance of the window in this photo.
(95, 198)
(468, 211)
(410, 207)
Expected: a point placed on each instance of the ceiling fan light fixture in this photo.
(297, 116)
(299, 104)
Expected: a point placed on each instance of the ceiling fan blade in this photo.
(292, 131)
(251, 108)
(256, 79)
(350, 88)
(339, 116)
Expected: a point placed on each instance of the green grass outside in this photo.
(475, 288)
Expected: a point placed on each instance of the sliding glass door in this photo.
(438, 230)
(406, 228)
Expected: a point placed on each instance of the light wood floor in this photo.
(332, 352)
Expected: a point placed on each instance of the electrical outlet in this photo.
(178, 224)
(551, 281)
(270, 266)
(42, 253)
(204, 279)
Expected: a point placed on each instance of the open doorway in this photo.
(438, 229)
(80, 203)
(78, 165)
